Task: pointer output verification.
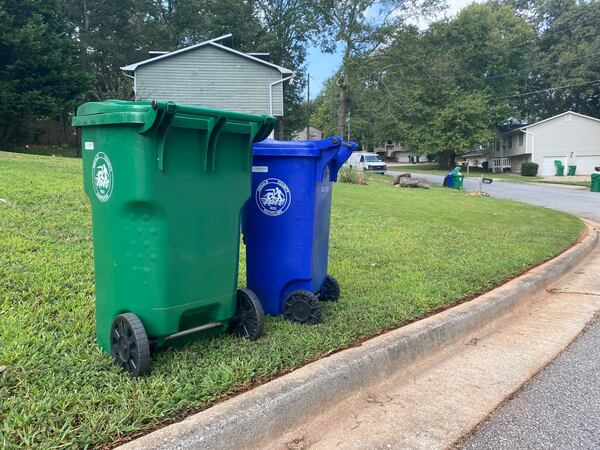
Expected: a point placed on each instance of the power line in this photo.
(550, 89)
(528, 69)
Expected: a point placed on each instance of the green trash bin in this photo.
(595, 182)
(457, 182)
(572, 170)
(560, 169)
(167, 184)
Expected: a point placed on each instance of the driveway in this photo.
(579, 202)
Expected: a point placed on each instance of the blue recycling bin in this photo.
(286, 225)
(449, 180)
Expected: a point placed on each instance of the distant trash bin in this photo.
(457, 181)
(450, 180)
(572, 170)
(167, 184)
(560, 169)
(286, 225)
(595, 182)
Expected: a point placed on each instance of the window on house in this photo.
(510, 139)
(521, 140)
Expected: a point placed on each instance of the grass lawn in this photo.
(398, 254)
(569, 183)
(47, 151)
(474, 172)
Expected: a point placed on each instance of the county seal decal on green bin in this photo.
(273, 197)
(102, 177)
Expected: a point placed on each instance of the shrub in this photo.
(349, 175)
(529, 169)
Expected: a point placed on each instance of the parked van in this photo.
(366, 161)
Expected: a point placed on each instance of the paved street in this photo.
(559, 408)
(580, 202)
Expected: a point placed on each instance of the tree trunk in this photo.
(63, 129)
(446, 159)
(280, 125)
(343, 83)
(342, 106)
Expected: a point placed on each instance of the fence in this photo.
(52, 132)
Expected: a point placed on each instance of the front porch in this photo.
(511, 163)
(499, 165)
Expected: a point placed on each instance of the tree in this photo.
(443, 90)
(347, 22)
(40, 72)
(288, 28)
(570, 62)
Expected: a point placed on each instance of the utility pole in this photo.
(307, 106)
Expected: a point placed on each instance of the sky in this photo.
(322, 65)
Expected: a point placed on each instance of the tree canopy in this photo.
(438, 90)
(448, 88)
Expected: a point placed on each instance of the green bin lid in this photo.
(147, 114)
(112, 106)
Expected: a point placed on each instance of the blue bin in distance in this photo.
(286, 225)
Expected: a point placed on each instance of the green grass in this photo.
(568, 183)
(474, 172)
(46, 151)
(398, 254)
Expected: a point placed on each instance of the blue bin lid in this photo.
(271, 147)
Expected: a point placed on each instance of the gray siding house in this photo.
(569, 137)
(213, 75)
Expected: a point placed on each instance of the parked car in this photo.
(368, 162)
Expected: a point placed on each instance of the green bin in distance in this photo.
(560, 169)
(595, 182)
(457, 182)
(572, 170)
(167, 184)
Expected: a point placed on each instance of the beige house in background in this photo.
(313, 134)
(569, 137)
(392, 151)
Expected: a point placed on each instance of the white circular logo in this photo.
(273, 197)
(102, 177)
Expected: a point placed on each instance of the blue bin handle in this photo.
(344, 151)
(334, 156)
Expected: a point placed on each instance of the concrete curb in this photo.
(269, 410)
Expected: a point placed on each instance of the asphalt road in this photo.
(560, 407)
(557, 409)
(579, 202)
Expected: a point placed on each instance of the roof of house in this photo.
(558, 115)
(212, 42)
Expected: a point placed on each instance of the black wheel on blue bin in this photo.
(249, 319)
(302, 307)
(330, 292)
(129, 344)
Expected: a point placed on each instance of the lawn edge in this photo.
(285, 402)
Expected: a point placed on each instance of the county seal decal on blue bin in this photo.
(273, 197)
(102, 177)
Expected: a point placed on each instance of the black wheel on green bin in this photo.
(302, 307)
(129, 344)
(330, 292)
(249, 319)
